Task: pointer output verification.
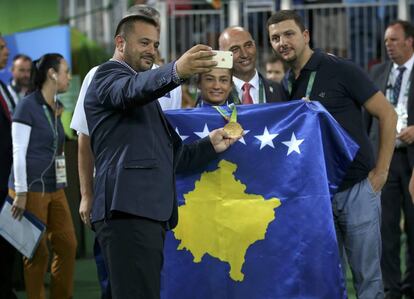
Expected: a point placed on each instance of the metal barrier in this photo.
(201, 23)
(352, 30)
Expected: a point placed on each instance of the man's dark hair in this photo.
(274, 58)
(198, 76)
(22, 56)
(285, 15)
(143, 13)
(406, 26)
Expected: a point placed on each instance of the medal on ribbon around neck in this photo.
(232, 128)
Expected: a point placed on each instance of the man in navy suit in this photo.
(395, 78)
(137, 153)
(7, 252)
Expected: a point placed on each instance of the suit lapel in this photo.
(8, 95)
(410, 103)
(383, 79)
(163, 119)
(268, 90)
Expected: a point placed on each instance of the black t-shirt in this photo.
(342, 88)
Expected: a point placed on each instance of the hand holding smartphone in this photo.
(224, 59)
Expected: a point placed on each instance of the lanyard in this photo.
(309, 86)
(55, 132)
(224, 113)
(261, 92)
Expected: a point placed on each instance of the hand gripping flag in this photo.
(257, 222)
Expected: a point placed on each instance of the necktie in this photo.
(397, 84)
(5, 107)
(246, 97)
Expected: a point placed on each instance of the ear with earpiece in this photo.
(54, 77)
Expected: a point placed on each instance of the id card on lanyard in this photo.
(60, 167)
(60, 162)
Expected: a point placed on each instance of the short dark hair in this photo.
(198, 76)
(22, 56)
(406, 26)
(274, 59)
(285, 15)
(135, 13)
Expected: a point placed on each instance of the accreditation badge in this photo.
(60, 167)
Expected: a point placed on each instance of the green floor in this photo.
(86, 281)
(86, 285)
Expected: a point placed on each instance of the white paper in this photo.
(23, 234)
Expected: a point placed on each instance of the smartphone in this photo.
(224, 59)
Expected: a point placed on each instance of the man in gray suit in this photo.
(395, 79)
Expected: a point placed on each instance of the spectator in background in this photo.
(7, 252)
(275, 68)
(20, 83)
(250, 87)
(39, 176)
(395, 79)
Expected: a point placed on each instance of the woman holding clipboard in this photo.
(39, 177)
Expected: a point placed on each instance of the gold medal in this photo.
(233, 129)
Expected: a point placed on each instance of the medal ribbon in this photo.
(225, 114)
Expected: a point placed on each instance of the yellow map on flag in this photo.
(220, 219)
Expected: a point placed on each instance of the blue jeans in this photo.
(357, 216)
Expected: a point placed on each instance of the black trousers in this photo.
(133, 252)
(395, 199)
(7, 256)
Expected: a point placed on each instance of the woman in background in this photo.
(39, 177)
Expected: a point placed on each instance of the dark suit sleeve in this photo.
(371, 123)
(281, 95)
(195, 155)
(117, 87)
(274, 91)
(410, 120)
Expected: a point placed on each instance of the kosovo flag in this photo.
(257, 222)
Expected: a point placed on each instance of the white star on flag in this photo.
(266, 138)
(205, 132)
(183, 137)
(244, 134)
(293, 144)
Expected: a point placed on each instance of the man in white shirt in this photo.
(250, 87)
(395, 78)
(20, 83)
